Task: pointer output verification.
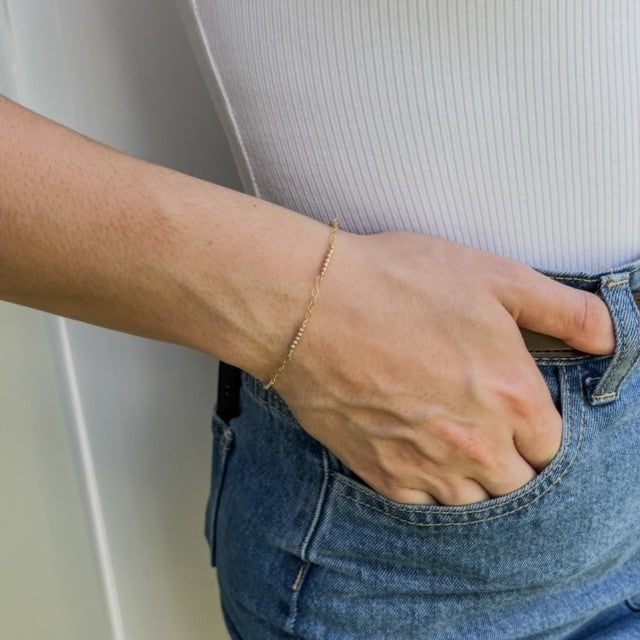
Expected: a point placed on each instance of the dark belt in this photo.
(538, 344)
(543, 346)
(228, 403)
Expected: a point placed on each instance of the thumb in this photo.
(580, 318)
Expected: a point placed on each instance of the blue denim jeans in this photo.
(305, 549)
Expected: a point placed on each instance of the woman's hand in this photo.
(413, 371)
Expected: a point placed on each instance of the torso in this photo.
(513, 127)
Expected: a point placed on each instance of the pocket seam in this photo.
(460, 513)
(223, 438)
(437, 511)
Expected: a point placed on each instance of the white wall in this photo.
(104, 437)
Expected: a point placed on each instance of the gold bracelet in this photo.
(307, 315)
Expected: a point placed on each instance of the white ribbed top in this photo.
(510, 126)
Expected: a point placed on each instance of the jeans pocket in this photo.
(526, 537)
(347, 483)
(223, 439)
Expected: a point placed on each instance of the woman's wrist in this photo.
(248, 267)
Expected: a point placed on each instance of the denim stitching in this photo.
(575, 278)
(587, 279)
(295, 594)
(615, 283)
(225, 438)
(463, 524)
(548, 471)
(630, 366)
(319, 505)
(300, 576)
(472, 511)
(313, 525)
(417, 509)
(608, 394)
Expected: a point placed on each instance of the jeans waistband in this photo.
(591, 280)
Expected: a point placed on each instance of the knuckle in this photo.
(549, 432)
(594, 316)
(523, 395)
(381, 484)
(389, 490)
(585, 318)
(587, 312)
(512, 284)
(473, 448)
(519, 277)
(584, 313)
(520, 273)
(455, 494)
(459, 491)
(398, 493)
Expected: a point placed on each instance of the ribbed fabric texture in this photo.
(510, 126)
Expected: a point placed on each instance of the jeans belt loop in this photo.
(616, 292)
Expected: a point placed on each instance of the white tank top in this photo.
(512, 126)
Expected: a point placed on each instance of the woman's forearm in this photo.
(91, 233)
